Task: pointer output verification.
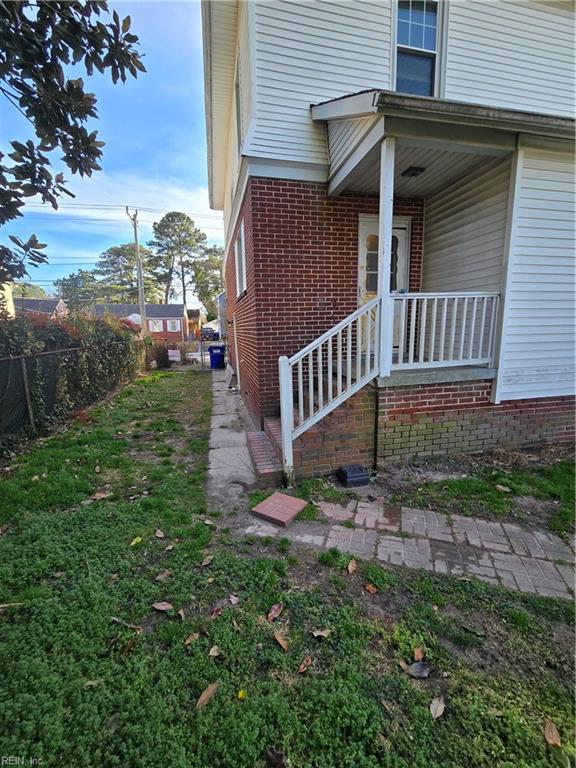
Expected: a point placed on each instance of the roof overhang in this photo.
(393, 104)
(219, 21)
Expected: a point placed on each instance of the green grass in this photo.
(80, 688)
(477, 494)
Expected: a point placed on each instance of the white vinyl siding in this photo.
(344, 136)
(537, 358)
(464, 230)
(243, 68)
(516, 54)
(309, 52)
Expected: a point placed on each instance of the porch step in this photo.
(267, 465)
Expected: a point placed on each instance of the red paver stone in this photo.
(279, 508)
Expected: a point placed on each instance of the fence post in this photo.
(286, 417)
(27, 393)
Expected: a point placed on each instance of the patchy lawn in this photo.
(535, 489)
(93, 675)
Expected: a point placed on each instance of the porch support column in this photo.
(387, 149)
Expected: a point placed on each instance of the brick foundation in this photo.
(458, 417)
(429, 420)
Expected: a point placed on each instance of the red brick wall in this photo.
(429, 420)
(243, 310)
(302, 274)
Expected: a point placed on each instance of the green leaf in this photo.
(126, 24)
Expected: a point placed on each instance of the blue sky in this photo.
(155, 153)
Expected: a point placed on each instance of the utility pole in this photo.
(139, 272)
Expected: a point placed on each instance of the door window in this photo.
(372, 264)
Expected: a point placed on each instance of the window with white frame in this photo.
(155, 326)
(173, 325)
(416, 46)
(240, 262)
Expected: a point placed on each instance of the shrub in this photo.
(97, 355)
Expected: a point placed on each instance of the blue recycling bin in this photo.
(216, 352)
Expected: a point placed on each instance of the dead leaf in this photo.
(206, 695)
(234, 600)
(352, 566)
(320, 633)
(93, 683)
(97, 469)
(102, 494)
(162, 606)
(207, 560)
(214, 651)
(418, 653)
(215, 613)
(112, 579)
(181, 613)
(437, 707)
(403, 665)
(209, 522)
(159, 534)
(275, 611)
(371, 588)
(418, 670)
(163, 575)
(58, 574)
(281, 640)
(3, 529)
(191, 638)
(169, 548)
(235, 625)
(241, 695)
(503, 488)
(551, 734)
(210, 579)
(35, 478)
(137, 540)
(305, 664)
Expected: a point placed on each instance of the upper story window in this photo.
(240, 262)
(155, 326)
(174, 325)
(416, 46)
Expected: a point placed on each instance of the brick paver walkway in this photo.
(499, 553)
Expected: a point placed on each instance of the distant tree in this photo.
(207, 275)
(80, 290)
(116, 271)
(28, 291)
(177, 245)
(37, 40)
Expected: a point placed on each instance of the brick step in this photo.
(267, 464)
(273, 431)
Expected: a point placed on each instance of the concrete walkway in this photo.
(230, 470)
(499, 553)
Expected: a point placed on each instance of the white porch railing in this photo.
(327, 372)
(430, 330)
(435, 330)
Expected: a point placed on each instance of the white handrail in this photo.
(326, 373)
(334, 330)
(432, 330)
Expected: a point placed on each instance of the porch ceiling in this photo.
(443, 167)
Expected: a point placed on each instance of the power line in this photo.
(113, 207)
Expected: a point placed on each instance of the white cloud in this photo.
(121, 189)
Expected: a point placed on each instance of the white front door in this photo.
(368, 259)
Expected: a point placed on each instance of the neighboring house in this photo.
(52, 308)
(166, 322)
(398, 194)
(196, 319)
